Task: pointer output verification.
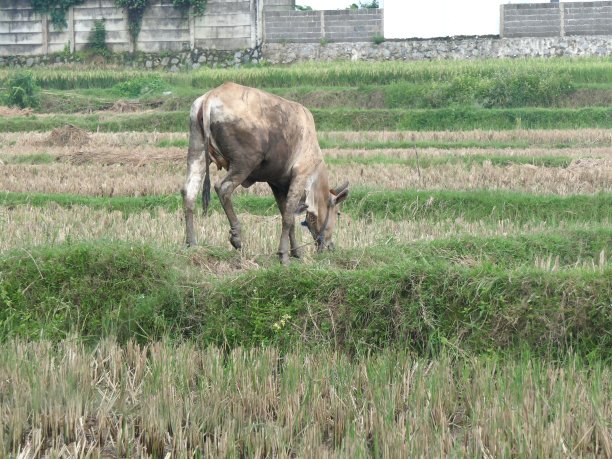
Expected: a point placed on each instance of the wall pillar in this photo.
(45, 34)
(71, 38)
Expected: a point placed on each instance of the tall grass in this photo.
(452, 119)
(585, 70)
(165, 399)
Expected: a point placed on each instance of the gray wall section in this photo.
(314, 26)
(556, 19)
(21, 30)
(226, 25)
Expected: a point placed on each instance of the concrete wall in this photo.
(556, 19)
(331, 25)
(226, 25)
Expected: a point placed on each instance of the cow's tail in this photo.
(203, 118)
(206, 187)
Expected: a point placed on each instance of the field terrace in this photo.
(466, 310)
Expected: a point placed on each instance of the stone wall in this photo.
(401, 50)
(170, 61)
(450, 48)
(556, 19)
(316, 26)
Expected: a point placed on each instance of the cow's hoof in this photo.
(284, 259)
(296, 254)
(191, 243)
(236, 242)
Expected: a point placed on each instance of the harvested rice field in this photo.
(466, 310)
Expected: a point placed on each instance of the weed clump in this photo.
(22, 91)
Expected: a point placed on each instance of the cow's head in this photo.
(321, 223)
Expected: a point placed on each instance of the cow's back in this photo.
(249, 125)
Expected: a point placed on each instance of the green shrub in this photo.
(136, 87)
(22, 90)
(97, 36)
(378, 39)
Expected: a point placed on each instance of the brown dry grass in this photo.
(14, 111)
(67, 136)
(167, 400)
(583, 137)
(23, 226)
(136, 176)
(586, 137)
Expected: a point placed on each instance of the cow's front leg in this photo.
(281, 200)
(288, 231)
(224, 190)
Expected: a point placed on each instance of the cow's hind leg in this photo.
(196, 164)
(224, 190)
(281, 200)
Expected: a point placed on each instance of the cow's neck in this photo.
(320, 188)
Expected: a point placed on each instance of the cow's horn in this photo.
(336, 191)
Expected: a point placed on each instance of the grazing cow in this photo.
(260, 137)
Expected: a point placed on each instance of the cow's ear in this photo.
(337, 199)
(301, 208)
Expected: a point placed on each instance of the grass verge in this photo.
(454, 119)
(424, 303)
(395, 205)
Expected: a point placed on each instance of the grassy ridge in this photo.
(396, 205)
(424, 161)
(467, 160)
(132, 291)
(572, 247)
(583, 70)
(344, 119)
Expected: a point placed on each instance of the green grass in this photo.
(343, 119)
(565, 249)
(583, 71)
(467, 160)
(396, 205)
(134, 292)
(35, 158)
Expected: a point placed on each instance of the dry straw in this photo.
(164, 400)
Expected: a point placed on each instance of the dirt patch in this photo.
(15, 111)
(68, 135)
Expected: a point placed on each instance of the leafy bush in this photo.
(501, 89)
(141, 86)
(22, 91)
(97, 36)
(56, 9)
(378, 39)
